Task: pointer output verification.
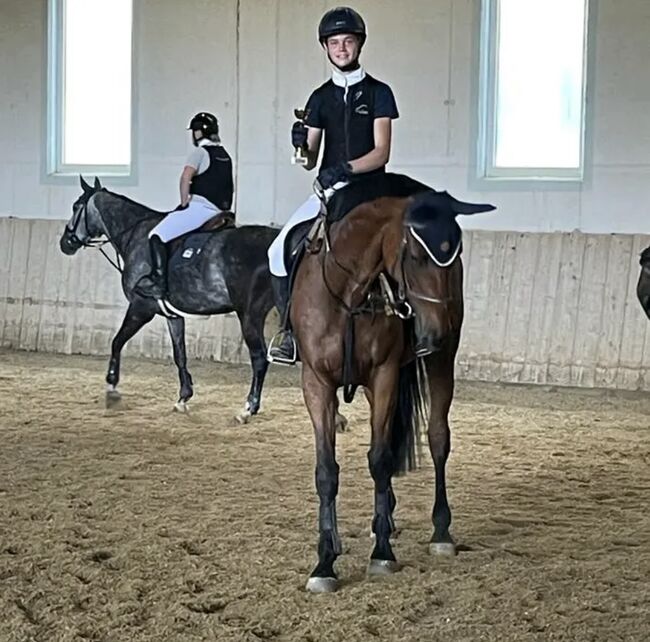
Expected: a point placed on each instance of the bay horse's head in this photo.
(84, 225)
(429, 270)
(643, 286)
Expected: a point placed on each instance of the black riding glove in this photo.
(336, 174)
(299, 134)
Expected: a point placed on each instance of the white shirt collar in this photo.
(347, 78)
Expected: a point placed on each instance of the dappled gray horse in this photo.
(231, 275)
(643, 286)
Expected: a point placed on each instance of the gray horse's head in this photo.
(84, 225)
(643, 287)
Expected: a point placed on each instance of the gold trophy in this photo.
(299, 157)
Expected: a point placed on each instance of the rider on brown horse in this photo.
(354, 111)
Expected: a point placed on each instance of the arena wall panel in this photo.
(555, 308)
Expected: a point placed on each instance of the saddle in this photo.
(186, 249)
(309, 235)
(217, 222)
(371, 188)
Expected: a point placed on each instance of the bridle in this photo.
(397, 304)
(82, 213)
(398, 301)
(404, 288)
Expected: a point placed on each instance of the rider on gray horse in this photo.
(206, 188)
(355, 111)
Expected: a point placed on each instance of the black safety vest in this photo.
(216, 182)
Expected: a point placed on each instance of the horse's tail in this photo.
(410, 414)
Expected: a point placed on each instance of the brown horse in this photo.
(643, 286)
(346, 340)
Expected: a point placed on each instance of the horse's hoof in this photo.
(113, 398)
(181, 406)
(341, 424)
(446, 549)
(382, 567)
(322, 584)
(243, 417)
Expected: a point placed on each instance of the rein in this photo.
(349, 388)
(405, 289)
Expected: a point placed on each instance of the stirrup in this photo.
(274, 353)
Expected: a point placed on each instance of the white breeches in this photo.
(307, 211)
(180, 222)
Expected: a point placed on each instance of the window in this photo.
(532, 89)
(89, 87)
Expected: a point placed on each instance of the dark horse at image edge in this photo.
(643, 286)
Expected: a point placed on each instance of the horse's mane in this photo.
(147, 210)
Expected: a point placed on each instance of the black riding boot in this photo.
(282, 348)
(154, 285)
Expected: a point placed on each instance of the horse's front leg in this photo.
(440, 371)
(137, 315)
(252, 326)
(176, 328)
(382, 396)
(321, 400)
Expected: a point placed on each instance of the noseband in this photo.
(72, 230)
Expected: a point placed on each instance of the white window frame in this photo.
(487, 131)
(55, 168)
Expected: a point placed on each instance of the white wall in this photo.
(541, 306)
(192, 56)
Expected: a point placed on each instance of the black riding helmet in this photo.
(206, 123)
(341, 20)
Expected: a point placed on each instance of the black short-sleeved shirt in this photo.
(348, 124)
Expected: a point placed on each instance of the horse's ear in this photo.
(461, 207)
(97, 184)
(84, 185)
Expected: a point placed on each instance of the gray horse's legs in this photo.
(252, 325)
(177, 333)
(136, 316)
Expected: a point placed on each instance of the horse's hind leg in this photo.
(440, 372)
(135, 317)
(382, 465)
(177, 333)
(252, 326)
(320, 400)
